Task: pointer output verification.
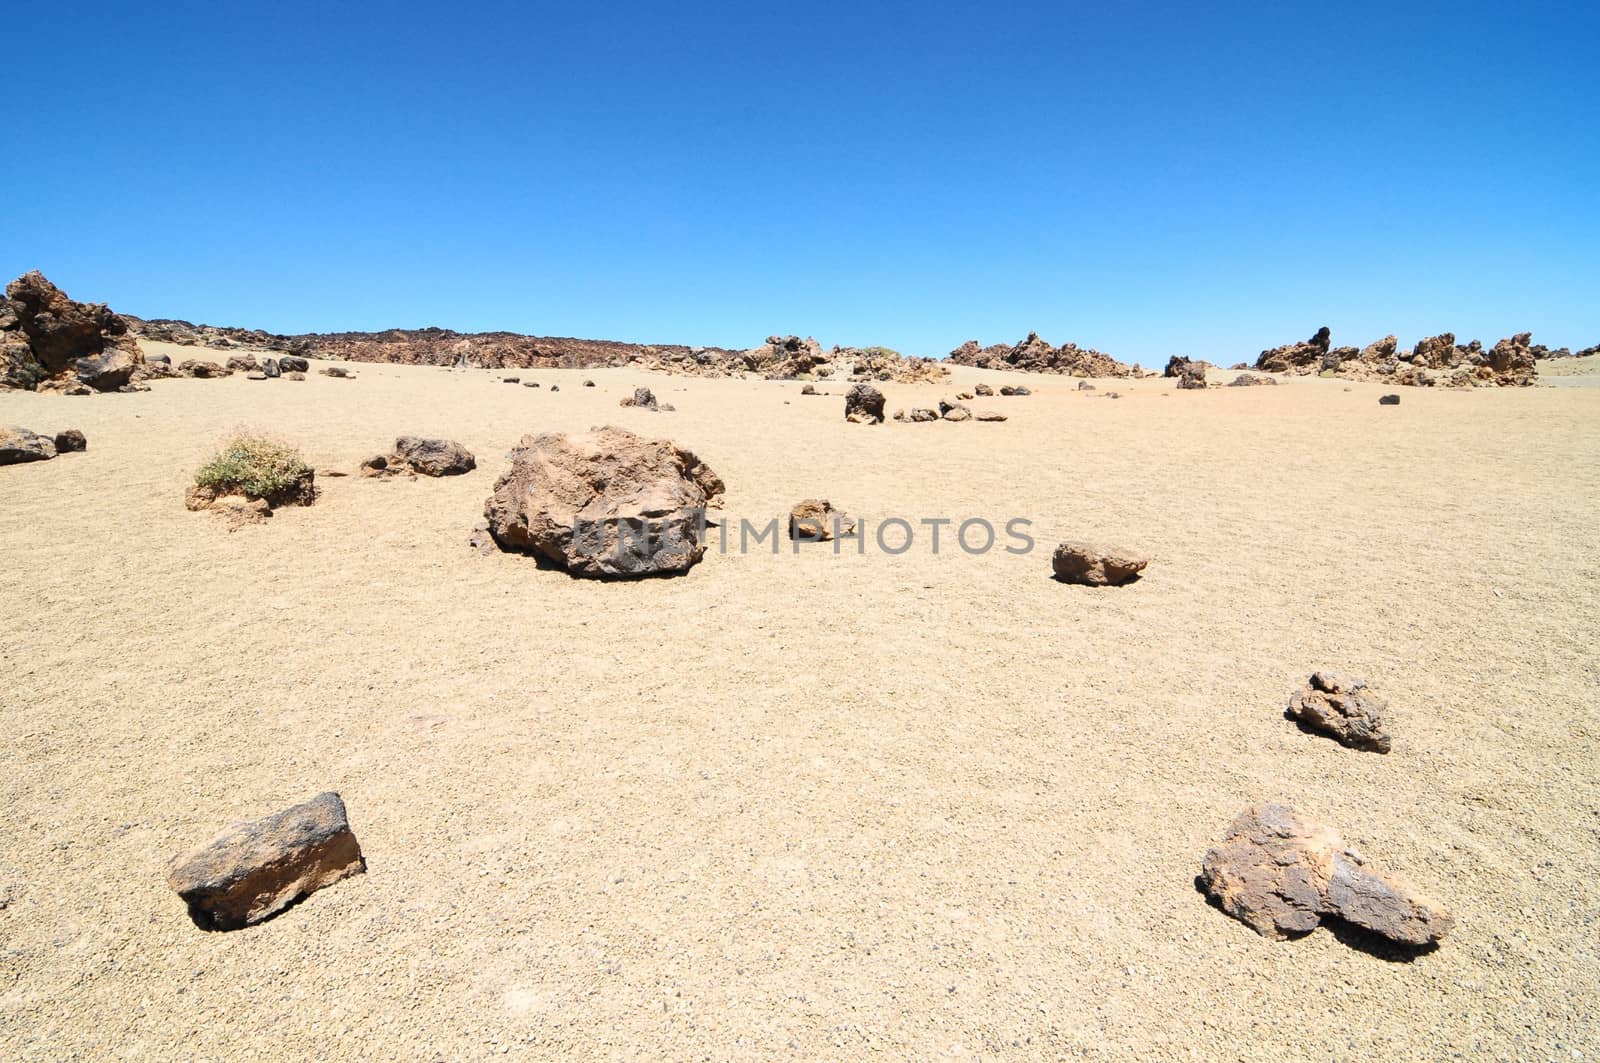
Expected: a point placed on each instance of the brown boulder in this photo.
(1281, 875)
(1095, 566)
(863, 404)
(19, 446)
(604, 503)
(432, 457)
(291, 363)
(253, 871)
(1348, 709)
(44, 335)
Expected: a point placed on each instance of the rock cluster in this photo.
(1034, 355)
(604, 503)
(1282, 875)
(19, 446)
(48, 342)
(253, 871)
(1510, 363)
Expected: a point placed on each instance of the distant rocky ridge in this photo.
(782, 357)
(1034, 355)
(1434, 360)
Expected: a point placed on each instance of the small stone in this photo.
(1095, 566)
(1388, 400)
(816, 521)
(71, 441)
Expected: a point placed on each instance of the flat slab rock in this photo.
(1346, 708)
(1282, 874)
(253, 871)
(1096, 566)
(19, 446)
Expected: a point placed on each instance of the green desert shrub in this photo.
(257, 467)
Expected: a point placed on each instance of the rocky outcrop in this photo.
(1296, 357)
(1191, 376)
(201, 369)
(604, 503)
(1095, 566)
(1508, 363)
(253, 871)
(1344, 707)
(1436, 360)
(1251, 380)
(1281, 875)
(863, 404)
(1035, 355)
(50, 342)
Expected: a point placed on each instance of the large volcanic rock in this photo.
(604, 503)
(1304, 357)
(863, 404)
(1281, 875)
(47, 339)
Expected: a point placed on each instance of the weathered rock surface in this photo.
(50, 341)
(863, 404)
(432, 457)
(253, 871)
(18, 446)
(816, 521)
(1281, 875)
(1095, 566)
(71, 441)
(604, 503)
(1251, 380)
(1346, 708)
(290, 363)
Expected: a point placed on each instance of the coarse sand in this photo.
(821, 804)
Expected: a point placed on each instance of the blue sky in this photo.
(1148, 179)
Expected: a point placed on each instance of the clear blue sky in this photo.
(1205, 179)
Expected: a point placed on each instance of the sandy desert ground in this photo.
(817, 806)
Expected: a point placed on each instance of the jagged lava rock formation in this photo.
(1034, 355)
(49, 342)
